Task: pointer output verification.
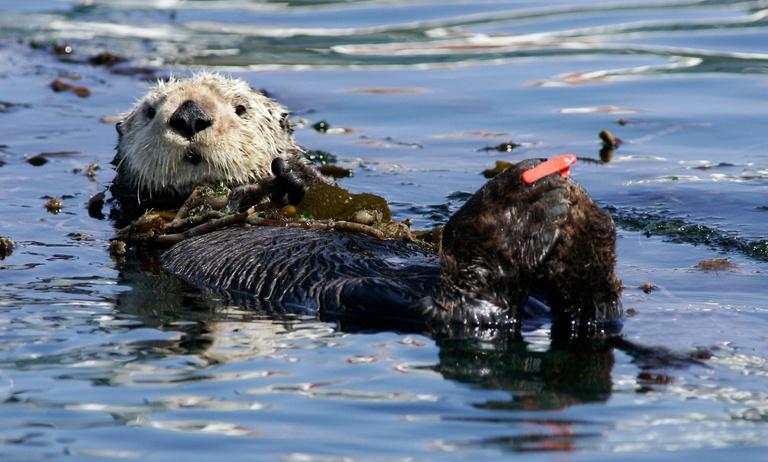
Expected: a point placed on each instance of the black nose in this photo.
(189, 119)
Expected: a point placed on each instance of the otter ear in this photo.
(119, 128)
(285, 122)
(261, 91)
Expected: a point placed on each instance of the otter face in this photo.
(208, 128)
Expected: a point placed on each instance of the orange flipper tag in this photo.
(560, 164)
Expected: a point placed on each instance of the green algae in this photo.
(327, 202)
(319, 157)
(334, 171)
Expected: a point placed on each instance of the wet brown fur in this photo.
(510, 238)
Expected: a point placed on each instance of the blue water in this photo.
(101, 359)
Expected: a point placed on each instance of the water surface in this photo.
(103, 360)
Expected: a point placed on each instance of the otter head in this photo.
(512, 238)
(208, 128)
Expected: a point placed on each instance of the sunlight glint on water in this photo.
(105, 361)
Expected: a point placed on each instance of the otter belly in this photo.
(336, 275)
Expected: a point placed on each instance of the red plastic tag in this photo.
(560, 164)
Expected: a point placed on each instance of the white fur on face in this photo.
(234, 149)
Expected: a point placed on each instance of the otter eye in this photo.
(240, 110)
(149, 112)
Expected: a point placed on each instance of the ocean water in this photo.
(103, 359)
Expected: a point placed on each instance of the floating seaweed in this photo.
(334, 171)
(715, 264)
(54, 205)
(680, 231)
(500, 166)
(503, 147)
(6, 246)
(59, 86)
(321, 126)
(318, 157)
(323, 206)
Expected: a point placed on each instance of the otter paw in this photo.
(290, 180)
(245, 196)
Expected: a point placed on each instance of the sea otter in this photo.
(511, 239)
(207, 128)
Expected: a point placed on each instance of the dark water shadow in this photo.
(540, 382)
(537, 380)
(566, 373)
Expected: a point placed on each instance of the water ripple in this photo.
(108, 359)
(468, 38)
